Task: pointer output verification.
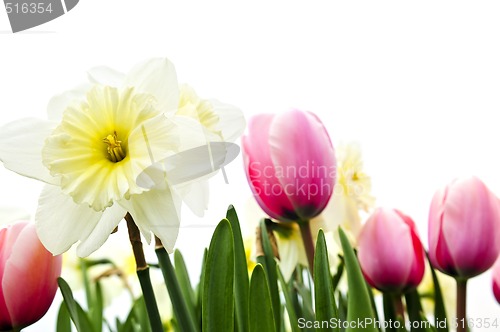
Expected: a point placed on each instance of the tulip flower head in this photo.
(28, 276)
(464, 228)
(390, 252)
(290, 164)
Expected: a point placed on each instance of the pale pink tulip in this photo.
(28, 276)
(390, 252)
(464, 228)
(290, 164)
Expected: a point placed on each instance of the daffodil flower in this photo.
(96, 142)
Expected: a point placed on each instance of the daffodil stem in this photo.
(143, 275)
(305, 231)
(461, 305)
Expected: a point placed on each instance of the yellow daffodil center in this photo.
(115, 151)
(99, 148)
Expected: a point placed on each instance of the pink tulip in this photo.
(390, 252)
(290, 164)
(464, 228)
(496, 280)
(28, 276)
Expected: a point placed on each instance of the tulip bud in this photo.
(464, 228)
(28, 276)
(390, 252)
(290, 164)
(496, 280)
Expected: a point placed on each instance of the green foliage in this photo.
(260, 309)
(218, 298)
(226, 299)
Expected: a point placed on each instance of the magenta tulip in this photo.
(28, 276)
(290, 164)
(496, 280)
(464, 228)
(390, 252)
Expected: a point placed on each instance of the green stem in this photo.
(399, 308)
(305, 231)
(143, 275)
(461, 305)
(184, 317)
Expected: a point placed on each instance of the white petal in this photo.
(106, 76)
(231, 120)
(58, 104)
(157, 211)
(156, 77)
(109, 220)
(60, 222)
(195, 195)
(21, 145)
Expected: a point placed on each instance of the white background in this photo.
(417, 84)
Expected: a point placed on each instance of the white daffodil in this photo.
(352, 193)
(96, 143)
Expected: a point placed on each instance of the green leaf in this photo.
(185, 283)
(415, 312)
(326, 308)
(260, 309)
(199, 293)
(218, 300)
(439, 307)
(78, 316)
(182, 313)
(289, 303)
(269, 263)
(359, 305)
(96, 310)
(340, 270)
(241, 283)
(63, 319)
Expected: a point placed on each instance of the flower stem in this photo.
(461, 305)
(399, 308)
(305, 231)
(143, 275)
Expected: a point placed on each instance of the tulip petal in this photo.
(28, 295)
(158, 78)
(21, 144)
(111, 217)
(471, 206)
(60, 222)
(156, 211)
(106, 76)
(260, 170)
(386, 266)
(8, 236)
(309, 170)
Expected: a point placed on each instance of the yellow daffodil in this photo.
(97, 141)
